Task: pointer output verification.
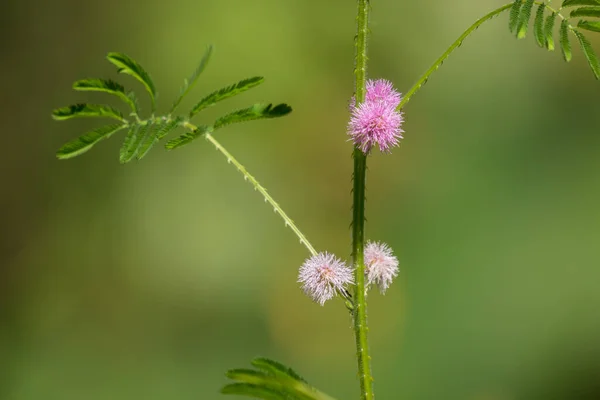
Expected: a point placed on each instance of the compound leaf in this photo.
(107, 86)
(191, 81)
(159, 130)
(549, 31)
(593, 26)
(255, 391)
(513, 18)
(257, 111)
(588, 51)
(187, 137)
(276, 369)
(538, 26)
(524, 17)
(571, 3)
(586, 12)
(226, 93)
(565, 44)
(127, 65)
(87, 141)
(83, 110)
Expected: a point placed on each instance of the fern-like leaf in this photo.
(128, 143)
(565, 44)
(538, 26)
(127, 65)
(572, 3)
(159, 130)
(187, 137)
(593, 12)
(513, 19)
(255, 391)
(549, 31)
(275, 368)
(226, 93)
(524, 17)
(593, 26)
(87, 141)
(86, 110)
(588, 51)
(107, 86)
(257, 111)
(191, 81)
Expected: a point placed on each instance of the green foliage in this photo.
(188, 137)
(520, 13)
(107, 86)
(524, 16)
(257, 111)
(586, 47)
(226, 93)
(143, 134)
(189, 83)
(593, 26)
(127, 65)
(85, 142)
(548, 30)
(538, 26)
(86, 110)
(571, 3)
(586, 12)
(272, 381)
(565, 44)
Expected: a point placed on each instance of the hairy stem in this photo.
(423, 79)
(358, 217)
(257, 186)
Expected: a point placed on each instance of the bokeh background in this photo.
(150, 280)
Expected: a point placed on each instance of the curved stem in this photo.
(423, 79)
(358, 215)
(257, 186)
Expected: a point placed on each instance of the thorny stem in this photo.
(257, 186)
(358, 217)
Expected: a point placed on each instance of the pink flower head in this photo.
(376, 121)
(382, 90)
(323, 275)
(381, 266)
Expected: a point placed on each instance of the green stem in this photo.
(423, 79)
(257, 186)
(358, 217)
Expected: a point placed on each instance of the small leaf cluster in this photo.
(271, 380)
(143, 134)
(587, 12)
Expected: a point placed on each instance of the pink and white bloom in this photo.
(381, 266)
(323, 275)
(376, 120)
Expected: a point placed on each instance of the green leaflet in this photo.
(593, 26)
(226, 93)
(524, 17)
(272, 381)
(87, 141)
(513, 18)
(128, 66)
(187, 137)
(538, 26)
(548, 31)
(86, 110)
(107, 86)
(191, 81)
(158, 131)
(257, 111)
(588, 51)
(565, 44)
(276, 369)
(571, 3)
(586, 12)
(128, 143)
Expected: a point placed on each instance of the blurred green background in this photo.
(150, 280)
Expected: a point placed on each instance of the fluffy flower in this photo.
(323, 275)
(381, 266)
(376, 121)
